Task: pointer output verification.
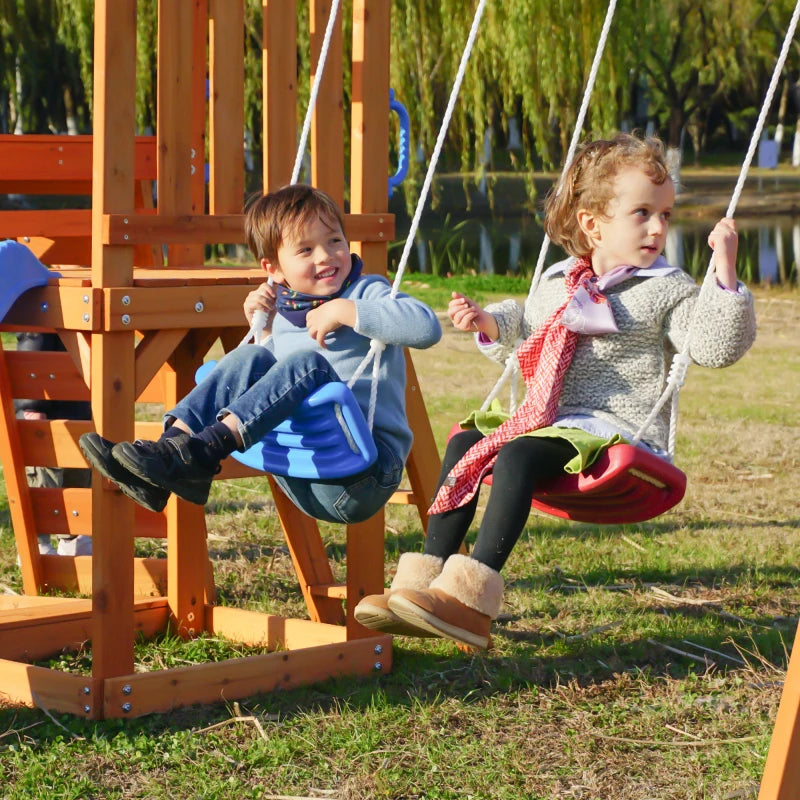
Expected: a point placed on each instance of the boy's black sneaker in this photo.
(171, 463)
(97, 451)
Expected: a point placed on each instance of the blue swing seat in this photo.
(20, 270)
(327, 437)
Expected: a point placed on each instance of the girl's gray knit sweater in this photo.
(619, 377)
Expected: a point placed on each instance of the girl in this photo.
(600, 333)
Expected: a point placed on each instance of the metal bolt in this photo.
(378, 666)
(26, 238)
(198, 307)
(378, 649)
(125, 220)
(87, 709)
(75, 512)
(86, 298)
(33, 376)
(126, 707)
(86, 317)
(125, 237)
(44, 307)
(56, 512)
(380, 234)
(126, 319)
(52, 377)
(87, 690)
(126, 300)
(126, 689)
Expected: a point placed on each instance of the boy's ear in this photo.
(272, 270)
(587, 221)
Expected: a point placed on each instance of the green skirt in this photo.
(588, 447)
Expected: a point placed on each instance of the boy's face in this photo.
(312, 259)
(633, 231)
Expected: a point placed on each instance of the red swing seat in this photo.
(625, 484)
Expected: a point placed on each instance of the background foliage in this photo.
(678, 66)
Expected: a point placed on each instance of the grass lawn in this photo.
(629, 663)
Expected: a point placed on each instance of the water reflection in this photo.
(769, 252)
(473, 237)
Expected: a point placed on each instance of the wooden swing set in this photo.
(139, 321)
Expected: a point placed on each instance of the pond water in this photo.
(494, 229)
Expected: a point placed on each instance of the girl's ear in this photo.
(587, 222)
(273, 270)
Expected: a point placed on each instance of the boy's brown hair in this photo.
(588, 183)
(270, 218)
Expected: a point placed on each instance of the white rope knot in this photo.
(678, 369)
(376, 346)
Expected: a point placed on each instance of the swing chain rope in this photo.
(312, 100)
(374, 351)
(673, 386)
(511, 366)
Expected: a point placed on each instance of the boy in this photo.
(327, 313)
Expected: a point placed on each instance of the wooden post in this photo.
(781, 779)
(112, 371)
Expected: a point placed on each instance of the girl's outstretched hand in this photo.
(724, 241)
(466, 315)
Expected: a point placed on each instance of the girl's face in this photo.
(633, 231)
(314, 259)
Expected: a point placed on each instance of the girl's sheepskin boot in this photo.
(460, 604)
(414, 571)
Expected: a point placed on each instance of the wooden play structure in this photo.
(138, 311)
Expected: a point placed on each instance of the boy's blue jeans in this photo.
(261, 392)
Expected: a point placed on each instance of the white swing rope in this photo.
(260, 318)
(682, 360)
(376, 347)
(511, 364)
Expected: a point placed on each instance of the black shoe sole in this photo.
(151, 471)
(97, 452)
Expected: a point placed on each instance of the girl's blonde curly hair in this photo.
(588, 183)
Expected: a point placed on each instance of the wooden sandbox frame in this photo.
(137, 333)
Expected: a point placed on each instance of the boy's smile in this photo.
(314, 259)
(633, 230)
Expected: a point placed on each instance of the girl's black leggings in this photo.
(523, 465)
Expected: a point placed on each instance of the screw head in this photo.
(378, 649)
(85, 317)
(126, 319)
(198, 307)
(126, 707)
(378, 666)
(126, 689)
(87, 709)
(44, 307)
(87, 690)
(126, 300)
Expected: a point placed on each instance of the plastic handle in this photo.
(403, 142)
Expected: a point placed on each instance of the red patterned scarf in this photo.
(544, 358)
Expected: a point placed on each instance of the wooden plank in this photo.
(44, 375)
(75, 575)
(51, 223)
(174, 307)
(187, 553)
(222, 228)
(19, 500)
(55, 307)
(279, 87)
(309, 557)
(49, 634)
(153, 350)
(327, 124)
(226, 111)
(62, 692)
(365, 555)
(243, 677)
(424, 462)
(254, 629)
(68, 512)
(57, 162)
(176, 19)
(781, 777)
